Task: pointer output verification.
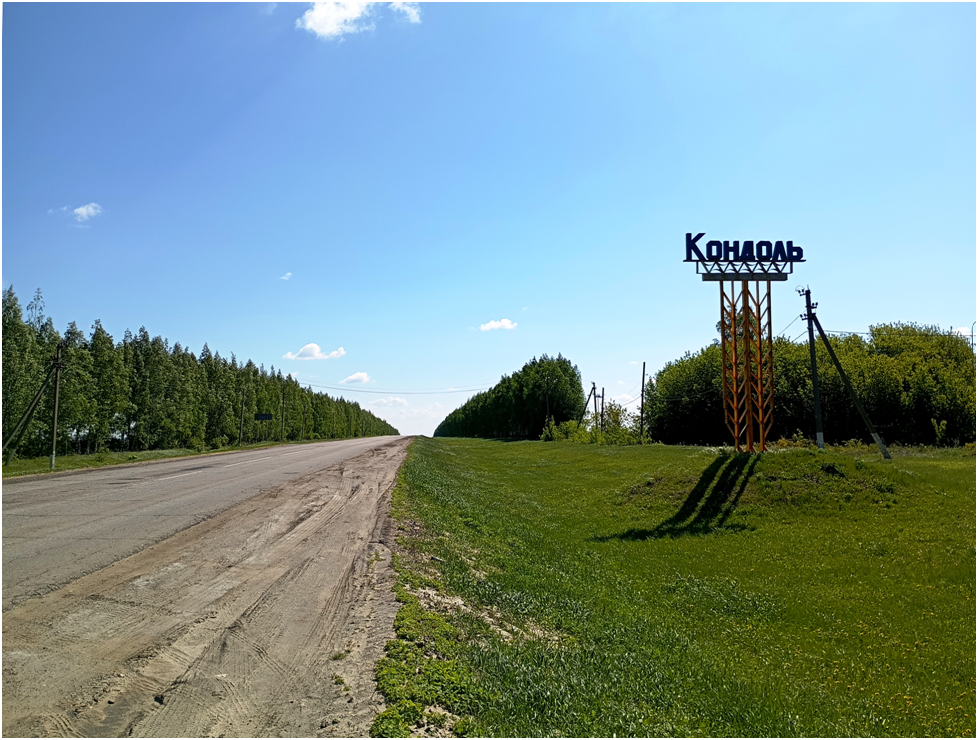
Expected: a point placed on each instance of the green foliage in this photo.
(917, 384)
(520, 404)
(141, 394)
(662, 591)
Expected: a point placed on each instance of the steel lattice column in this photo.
(747, 363)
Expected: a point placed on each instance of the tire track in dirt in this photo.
(227, 628)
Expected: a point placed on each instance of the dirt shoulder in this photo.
(265, 620)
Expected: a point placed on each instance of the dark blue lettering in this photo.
(731, 253)
(747, 252)
(714, 250)
(692, 249)
(795, 254)
(764, 251)
(779, 254)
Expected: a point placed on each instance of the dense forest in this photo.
(141, 393)
(916, 382)
(519, 405)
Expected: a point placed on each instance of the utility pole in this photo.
(641, 413)
(586, 402)
(57, 388)
(25, 419)
(547, 378)
(848, 386)
(808, 316)
(594, 389)
(602, 408)
(283, 413)
(241, 427)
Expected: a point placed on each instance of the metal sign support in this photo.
(747, 364)
(746, 338)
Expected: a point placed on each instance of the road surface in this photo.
(240, 594)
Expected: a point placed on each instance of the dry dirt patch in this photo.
(265, 620)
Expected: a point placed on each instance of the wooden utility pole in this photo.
(57, 388)
(241, 426)
(25, 419)
(548, 397)
(283, 413)
(602, 409)
(641, 413)
(586, 402)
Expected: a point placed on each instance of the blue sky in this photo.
(452, 189)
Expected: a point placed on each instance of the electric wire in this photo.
(396, 392)
(788, 326)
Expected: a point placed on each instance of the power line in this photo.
(788, 326)
(396, 392)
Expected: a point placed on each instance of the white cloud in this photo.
(312, 351)
(388, 402)
(357, 378)
(336, 19)
(411, 10)
(286, 276)
(83, 213)
(634, 362)
(964, 331)
(333, 20)
(503, 324)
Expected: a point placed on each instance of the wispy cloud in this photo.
(411, 11)
(357, 378)
(83, 213)
(502, 324)
(335, 20)
(389, 402)
(312, 351)
(286, 276)
(634, 362)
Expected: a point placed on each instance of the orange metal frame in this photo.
(747, 362)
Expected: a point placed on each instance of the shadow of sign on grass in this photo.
(708, 506)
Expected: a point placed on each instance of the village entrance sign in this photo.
(747, 359)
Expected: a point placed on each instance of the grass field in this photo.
(557, 589)
(37, 465)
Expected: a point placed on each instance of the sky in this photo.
(402, 202)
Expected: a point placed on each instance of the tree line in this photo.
(519, 405)
(917, 384)
(143, 394)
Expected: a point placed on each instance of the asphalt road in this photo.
(59, 528)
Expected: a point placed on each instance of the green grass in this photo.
(683, 591)
(39, 465)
